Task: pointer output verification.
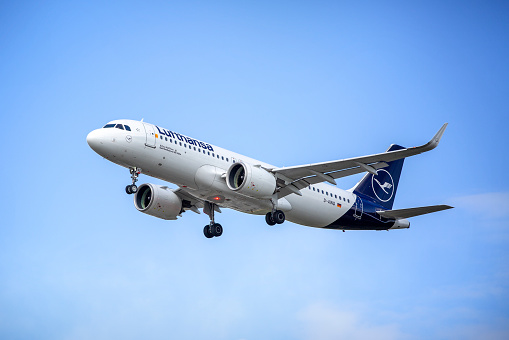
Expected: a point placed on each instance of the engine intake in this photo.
(157, 201)
(252, 181)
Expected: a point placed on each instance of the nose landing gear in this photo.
(132, 188)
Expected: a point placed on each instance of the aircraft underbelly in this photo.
(314, 211)
(205, 183)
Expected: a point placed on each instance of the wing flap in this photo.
(412, 212)
(195, 203)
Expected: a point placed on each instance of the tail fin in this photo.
(381, 188)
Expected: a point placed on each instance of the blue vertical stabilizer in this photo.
(381, 188)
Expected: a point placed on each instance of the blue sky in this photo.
(288, 83)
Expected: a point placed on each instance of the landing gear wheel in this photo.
(206, 232)
(217, 230)
(270, 219)
(131, 189)
(279, 217)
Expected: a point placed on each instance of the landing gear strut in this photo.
(213, 229)
(275, 216)
(132, 188)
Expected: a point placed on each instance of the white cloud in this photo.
(490, 211)
(322, 321)
(489, 205)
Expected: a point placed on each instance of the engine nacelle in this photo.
(157, 201)
(250, 180)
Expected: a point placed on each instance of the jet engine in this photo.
(252, 181)
(158, 201)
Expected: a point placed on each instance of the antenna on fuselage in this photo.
(142, 119)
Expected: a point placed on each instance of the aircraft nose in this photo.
(94, 140)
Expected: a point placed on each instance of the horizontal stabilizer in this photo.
(411, 212)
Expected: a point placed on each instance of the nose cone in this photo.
(94, 140)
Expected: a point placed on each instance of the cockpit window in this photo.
(108, 126)
(119, 126)
(127, 127)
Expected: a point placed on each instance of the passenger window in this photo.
(180, 143)
(185, 145)
(161, 137)
(344, 199)
(313, 188)
(348, 201)
(108, 126)
(194, 148)
(119, 126)
(166, 138)
(204, 151)
(322, 191)
(335, 196)
(208, 152)
(217, 156)
(227, 159)
(222, 157)
(189, 146)
(127, 127)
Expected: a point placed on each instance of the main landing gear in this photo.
(213, 229)
(275, 216)
(132, 188)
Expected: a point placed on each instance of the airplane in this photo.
(209, 178)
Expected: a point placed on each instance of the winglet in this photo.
(440, 133)
(433, 143)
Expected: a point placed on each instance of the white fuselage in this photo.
(199, 168)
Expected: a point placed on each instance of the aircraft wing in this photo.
(300, 176)
(412, 212)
